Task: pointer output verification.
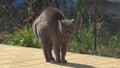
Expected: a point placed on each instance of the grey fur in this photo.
(53, 30)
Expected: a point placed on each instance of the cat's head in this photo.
(66, 27)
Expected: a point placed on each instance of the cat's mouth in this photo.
(69, 32)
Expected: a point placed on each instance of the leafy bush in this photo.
(109, 45)
(107, 42)
(82, 7)
(83, 42)
(23, 37)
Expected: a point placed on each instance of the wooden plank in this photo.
(22, 57)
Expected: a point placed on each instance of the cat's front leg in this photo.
(57, 52)
(63, 53)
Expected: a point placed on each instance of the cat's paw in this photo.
(64, 61)
(58, 61)
(47, 60)
(52, 59)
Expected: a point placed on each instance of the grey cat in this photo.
(53, 30)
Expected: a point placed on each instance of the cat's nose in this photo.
(70, 31)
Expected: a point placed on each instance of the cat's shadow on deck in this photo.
(75, 65)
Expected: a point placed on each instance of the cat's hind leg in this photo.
(45, 46)
(50, 53)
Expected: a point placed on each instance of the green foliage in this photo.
(82, 7)
(2, 36)
(83, 42)
(105, 26)
(23, 37)
(109, 45)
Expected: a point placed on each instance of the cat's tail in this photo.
(34, 28)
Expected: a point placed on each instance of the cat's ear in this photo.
(59, 22)
(73, 21)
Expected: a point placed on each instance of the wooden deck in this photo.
(21, 57)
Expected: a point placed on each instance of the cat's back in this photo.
(49, 16)
(52, 13)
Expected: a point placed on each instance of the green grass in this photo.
(83, 42)
(107, 44)
(23, 37)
